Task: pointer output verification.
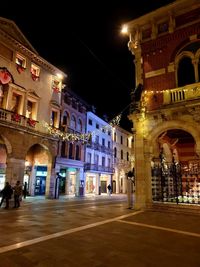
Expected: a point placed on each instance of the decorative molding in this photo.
(154, 73)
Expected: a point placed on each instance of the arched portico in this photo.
(148, 148)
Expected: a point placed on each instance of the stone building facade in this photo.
(123, 158)
(165, 103)
(71, 154)
(30, 99)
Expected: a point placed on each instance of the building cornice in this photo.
(34, 57)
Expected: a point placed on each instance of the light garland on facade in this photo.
(171, 90)
(84, 138)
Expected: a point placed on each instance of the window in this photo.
(71, 146)
(97, 126)
(77, 152)
(108, 144)
(79, 126)
(20, 61)
(109, 132)
(127, 156)
(97, 139)
(35, 72)
(56, 86)
(115, 137)
(54, 120)
(103, 141)
(73, 122)
(89, 157)
(103, 161)
(115, 152)
(122, 154)
(15, 103)
(90, 122)
(65, 119)
(185, 72)
(109, 163)
(96, 159)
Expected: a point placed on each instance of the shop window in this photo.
(35, 72)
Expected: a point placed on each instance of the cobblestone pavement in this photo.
(98, 232)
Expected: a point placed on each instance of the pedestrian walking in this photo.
(17, 194)
(109, 189)
(25, 190)
(6, 194)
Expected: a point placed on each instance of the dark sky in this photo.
(83, 39)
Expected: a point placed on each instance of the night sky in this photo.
(83, 39)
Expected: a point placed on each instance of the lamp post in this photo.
(130, 182)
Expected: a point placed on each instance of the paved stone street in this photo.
(98, 232)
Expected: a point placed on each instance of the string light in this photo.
(84, 138)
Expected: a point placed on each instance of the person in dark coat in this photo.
(25, 190)
(6, 194)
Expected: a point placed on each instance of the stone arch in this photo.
(7, 144)
(193, 129)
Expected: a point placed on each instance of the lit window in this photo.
(35, 72)
(20, 61)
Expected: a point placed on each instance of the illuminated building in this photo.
(71, 155)
(123, 158)
(166, 102)
(98, 155)
(30, 94)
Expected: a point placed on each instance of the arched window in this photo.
(186, 73)
(79, 126)
(73, 122)
(65, 121)
(77, 152)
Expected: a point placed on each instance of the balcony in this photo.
(16, 120)
(185, 93)
(95, 167)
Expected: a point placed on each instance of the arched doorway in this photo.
(176, 169)
(3, 157)
(37, 170)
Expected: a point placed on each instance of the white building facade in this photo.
(123, 158)
(98, 156)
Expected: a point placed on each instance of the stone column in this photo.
(140, 170)
(15, 170)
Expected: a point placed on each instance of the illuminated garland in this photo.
(171, 90)
(84, 138)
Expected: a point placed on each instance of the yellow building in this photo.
(30, 100)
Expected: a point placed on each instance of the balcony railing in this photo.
(101, 148)
(188, 92)
(17, 119)
(95, 167)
